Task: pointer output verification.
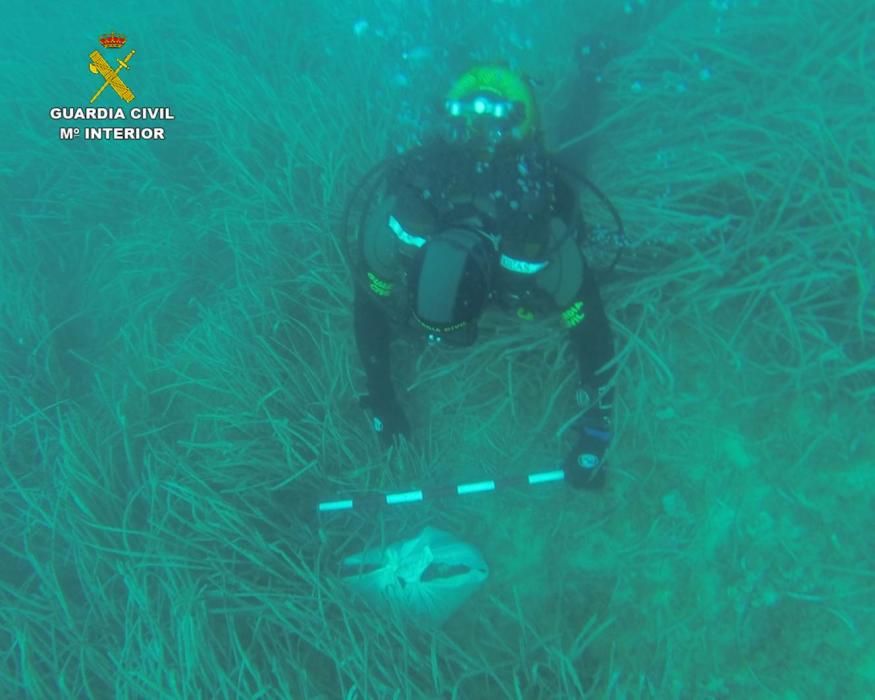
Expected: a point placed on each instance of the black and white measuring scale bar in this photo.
(371, 500)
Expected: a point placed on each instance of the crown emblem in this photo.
(112, 40)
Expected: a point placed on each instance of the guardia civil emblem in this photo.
(100, 66)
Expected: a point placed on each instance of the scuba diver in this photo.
(482, 217)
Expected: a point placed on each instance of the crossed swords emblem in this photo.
(99, 65)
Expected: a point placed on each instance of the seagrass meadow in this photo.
(179, 383)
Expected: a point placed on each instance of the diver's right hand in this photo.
(388, 419)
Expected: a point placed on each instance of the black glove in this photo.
(389, 421)
(584, 468)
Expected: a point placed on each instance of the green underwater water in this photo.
(179, 382)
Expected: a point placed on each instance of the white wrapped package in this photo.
(425, 579)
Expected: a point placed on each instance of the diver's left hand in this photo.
(584, 465)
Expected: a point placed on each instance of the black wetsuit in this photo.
(519, 195)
